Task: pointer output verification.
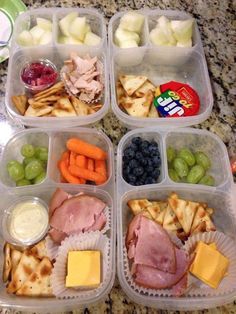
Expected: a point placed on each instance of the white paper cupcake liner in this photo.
(228, 248)
(140, 289)
(52, 247)
(84, 241)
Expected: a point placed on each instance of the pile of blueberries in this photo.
(141, 162)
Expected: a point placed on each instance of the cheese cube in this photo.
(83, 269)
(209, 265)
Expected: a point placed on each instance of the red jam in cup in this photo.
(39, 75)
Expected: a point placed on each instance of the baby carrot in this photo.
(81, 161)
(90, 164)
(100, 167)
(86, 174)
(72, 160)
(62, 179)
(83, 148)
(66, 174)
(65, 155)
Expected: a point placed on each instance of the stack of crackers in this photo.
(27, 271)
(135, 95)
(53, 102)
(176, 215)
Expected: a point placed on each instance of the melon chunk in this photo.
(46, 38)
(44, 24)
(130, 43)
(78, 28)
(123, 35)
(37, 32)
(66, 21)
(92, 39)
(182, 30)
(132, 21)
(25, 38)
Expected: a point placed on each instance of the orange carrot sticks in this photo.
(87, 174)
(81, 161)
(72, 160)
(66, 173)
(83, 148)
(101, 167)
(90, 164)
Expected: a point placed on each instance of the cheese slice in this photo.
(83, 269)
(209, 264)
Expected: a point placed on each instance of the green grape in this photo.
(181, 167)
(203, 160)
(40, 177)
(27, 160)
(195, 174)
(187, 155)
(27, 150)
(173, 175)
(16, 172)
(40, 149)
(12, 163)
(23, 182)
(171, 154)
(43, 156)
(207, 180)
(33, 169)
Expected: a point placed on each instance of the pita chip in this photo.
(131, 83)
(81, 108)
(7, 265)
(38, 112)
(15, 259)
(26, 266)
(153, 112)
(200, 217)
(39, 250)
(143, 89)
(139, 205)
(184, 210)
(160, 216)
(38, 283)
(20, 102)
(171, 222)
(138, 107)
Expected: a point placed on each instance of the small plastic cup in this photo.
(8, 223)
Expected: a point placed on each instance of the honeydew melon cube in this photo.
(92, 39)
(37, 32)
(46, 38)
(132, 21)
(182, 30)
(78, 28)
(25, 38)
(44, 24)
(186, 44)
(73, 41)
(123, 35)
(158, 37)
(130, 43)
(164, 24)
(66, 21)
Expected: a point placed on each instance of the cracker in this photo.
(20, 102)
(131, 83)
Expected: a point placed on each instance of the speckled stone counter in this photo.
(215, 19)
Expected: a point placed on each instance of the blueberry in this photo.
(133, 163)
(129, 153)
(143, 176)
(143, 161)
(153, 150)
(138, 156)
(156, 173)
(148, 180)
(144, 145)
(136, 140)
(127, 169)
(153, 143)
(131, 178)
(149, 162)
(138, 171)
(150, 170)
(156, 160)
(133, 146)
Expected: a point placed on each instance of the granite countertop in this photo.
(216, 24)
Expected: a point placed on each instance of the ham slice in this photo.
(57, 236)
(78, 214)
(151, 277)
(57, 199)
(150, 245)
(180, 287)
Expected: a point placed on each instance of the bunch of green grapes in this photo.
(33, 168)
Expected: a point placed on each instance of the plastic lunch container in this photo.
(56, 53)
(161, 65)
(55, 140)
(221, 198)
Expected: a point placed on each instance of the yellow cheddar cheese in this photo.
(209, 264)
(83, 269)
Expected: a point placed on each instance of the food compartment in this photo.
(154, 15)
(206, 142)
(28, 20)
(57, 56)
(36, 304)
(192, 72)
(91, 136)
(93, 18)
(12, 151)
(223, 217)
(125, 142)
